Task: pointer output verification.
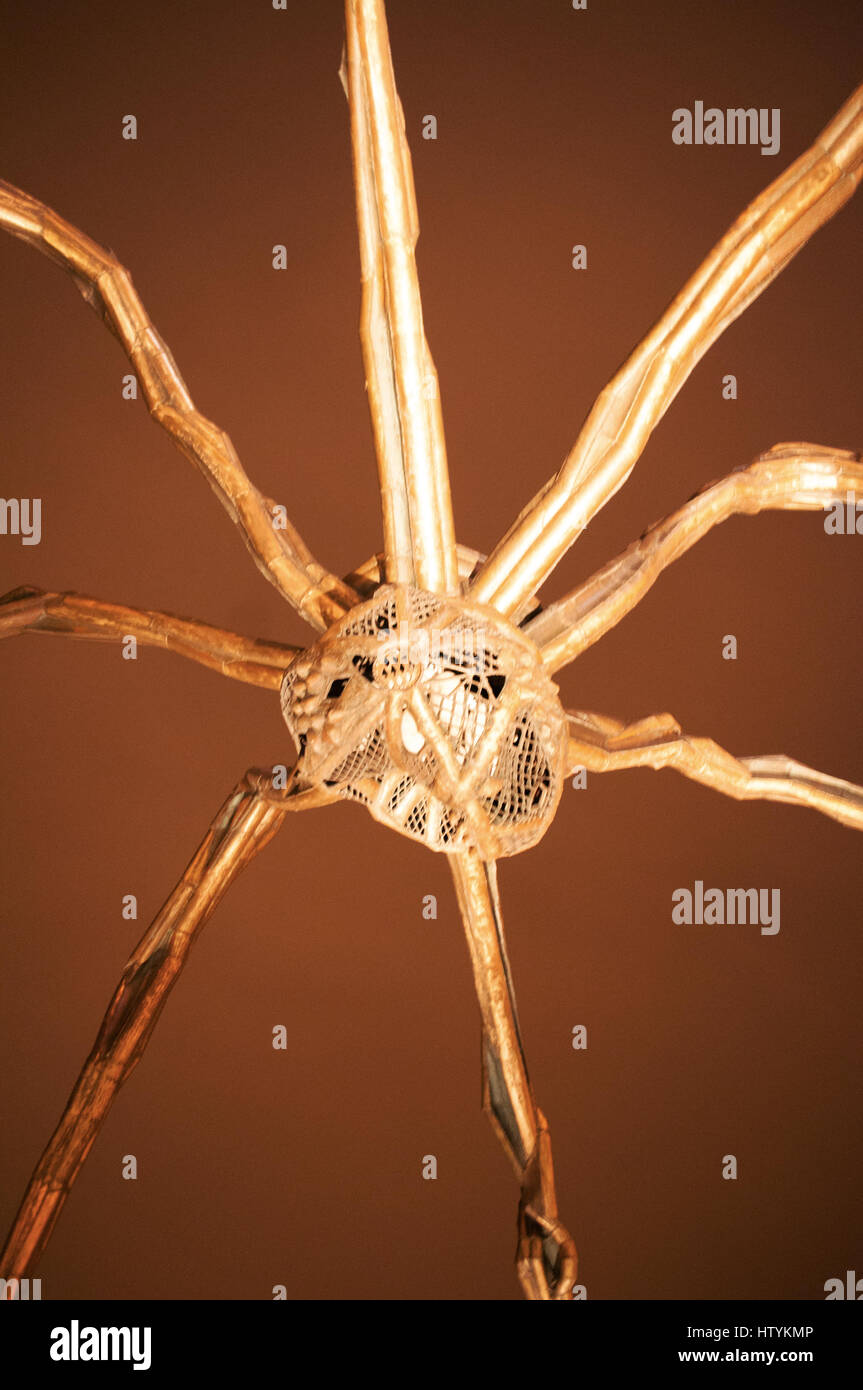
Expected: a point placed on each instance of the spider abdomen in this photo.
(437, 714)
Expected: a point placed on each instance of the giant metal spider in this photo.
(419, 551)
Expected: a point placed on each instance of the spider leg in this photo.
(404, 396)
(74, 615)
(752, 253)
(247, 820)
(601, 744)
(793, 477)
(281, 555)
(546, 1259)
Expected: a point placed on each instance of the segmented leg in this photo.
(790, 477)
(74, 615)
(751, 254)
(601, 744)
(246, 822)
(404, 396)
(281, 555)
(546, 1259)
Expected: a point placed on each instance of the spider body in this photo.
(428, 702)
(436, 714)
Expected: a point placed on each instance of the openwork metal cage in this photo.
(436, 714)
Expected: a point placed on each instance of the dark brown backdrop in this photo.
(260, 1167)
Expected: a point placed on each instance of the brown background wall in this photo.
(260, 1167)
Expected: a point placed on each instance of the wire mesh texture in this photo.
(456, 735)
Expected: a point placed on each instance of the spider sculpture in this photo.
(428, 695)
